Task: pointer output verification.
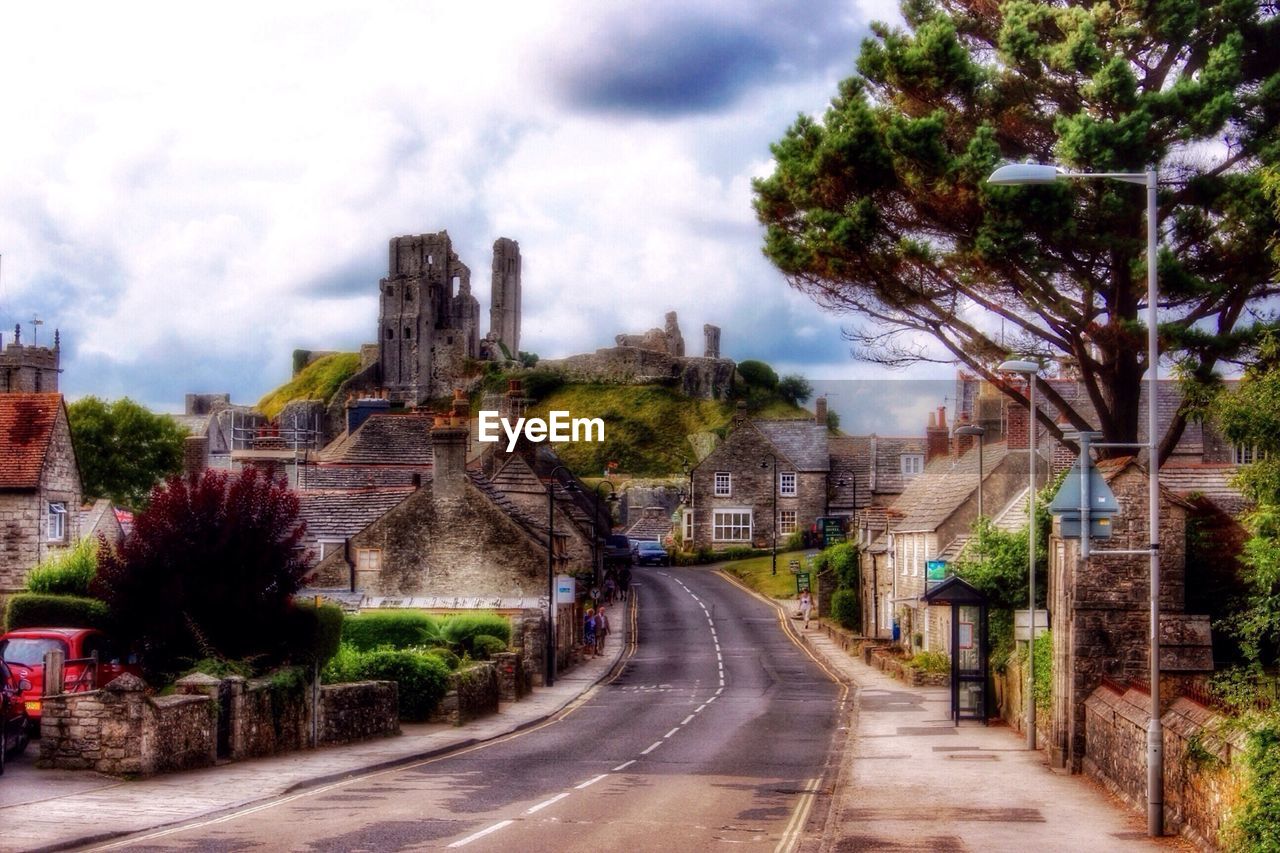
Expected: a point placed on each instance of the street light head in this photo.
(613, 498)
(970, 430)
(1015, 174)
(1015, 365)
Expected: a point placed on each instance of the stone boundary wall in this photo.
(1201, 785)
(885, 661)
(1010, 695)
(473, 692)
(120, 730)
(513, 678)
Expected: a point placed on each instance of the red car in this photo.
(13, 716)
(24, 649)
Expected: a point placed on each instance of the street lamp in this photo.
(1029, 369)
(774, 526)
(973, 430)
(551, 569)
(1038, 173)
(596, 568)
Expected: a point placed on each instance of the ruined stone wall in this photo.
(704, 378)
(504, 305)
(1201, 783)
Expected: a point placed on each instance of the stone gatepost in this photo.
(511, 687)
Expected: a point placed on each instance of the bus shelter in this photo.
(968, 646)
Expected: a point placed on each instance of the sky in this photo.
(191, 193)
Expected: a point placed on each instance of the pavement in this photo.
(911, 780)
(60, 809)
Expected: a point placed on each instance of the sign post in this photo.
(802, 582)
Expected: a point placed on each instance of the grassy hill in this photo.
(647, 427)
(317, 381)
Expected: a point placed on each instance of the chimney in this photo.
(449, 457)
(1015, 428)
(513, 403)
(740, 414)
(1063, 456)
(964, 443)
(820, 410)
(937, 437)
(195, 453)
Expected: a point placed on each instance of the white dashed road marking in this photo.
(590, 782)
(542, 805)
(482, 833)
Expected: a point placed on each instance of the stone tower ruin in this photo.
(504, 310)
(429, 321)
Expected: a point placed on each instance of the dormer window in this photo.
(912, 464)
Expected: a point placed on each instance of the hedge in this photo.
(845, 609)
(316, 632)
(461, 630)
(397, 629)
(67, 572)
(423, 679)
(36, 610)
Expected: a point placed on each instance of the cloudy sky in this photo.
(191, 195)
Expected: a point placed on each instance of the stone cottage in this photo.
(40, 491)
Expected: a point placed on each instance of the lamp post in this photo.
(1030, 369)
(774, 526)
(596, 568)
(1037, 173)
(551, 571)
(973, 430)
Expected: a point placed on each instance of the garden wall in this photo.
(473, 692)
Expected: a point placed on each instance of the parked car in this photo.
(24, 650)
(617, 550)
(14, 725)
(650, 553)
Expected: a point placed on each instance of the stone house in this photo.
(40, 492)
(99, 519)
(733, 487)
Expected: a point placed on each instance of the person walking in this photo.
(806, 605)
(589, 632)
(602, 629)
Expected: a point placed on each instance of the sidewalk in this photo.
(911, 780)
(54, 810)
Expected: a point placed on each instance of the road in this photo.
(716, 730)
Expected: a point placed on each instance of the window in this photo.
(787, 522)
(724, 484)
(687, 527)
(57, 526)
(408, 333)
(329, 546)
(368, 565)
(390, 334)
(787, 484)
(912, 464)
(1244, 454)
(731, 525)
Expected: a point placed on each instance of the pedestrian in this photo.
(624, 581)
(806, 605)
(589, 632)
(602, 629)
(610, 588)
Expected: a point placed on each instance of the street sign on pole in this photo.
(802, 582)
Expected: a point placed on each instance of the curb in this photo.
(330, 778)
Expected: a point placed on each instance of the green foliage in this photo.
(319, 380)
(843, 560)
(833, 421)
(461, 630)
(33, 610)
(794, 541)
(739, 552)
(757, 374)
(316, 632)
(123, 450)
(846, 608)
(67, 572)
(881, 208)
(932, 662)
(527, 359)
(485, 646)
(220, 668)
(794, 388)
(423, 679)
(1044, 669)
(757, 573)
(1254, 826)
(396, 629)
(540, 384)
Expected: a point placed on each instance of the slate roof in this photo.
(802, 442)
(532, 526)
(339, 476)
(654, 523)
(394, 439)
(26, 432)
(1214, 481)
(885, 454)
(850, 465)
(92, 515)
(946, 483)
(339, 514)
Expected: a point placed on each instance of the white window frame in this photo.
(56, 522)
(1246, 454)
(787, 527)
(719, 527)
(722, 488)
(325, 547)
(911, 464)
(687, 526)
(788, 482)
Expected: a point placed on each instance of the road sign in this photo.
(794, 565)
(832, 530)
(935, 570)
(802, 582)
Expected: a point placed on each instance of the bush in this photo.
(845, 608)
(316, 632)
(758, 374)
(219, 668)
(398, 629)
(67, 572)
(451, 660)
(795, 389)
(843, 561)
(486, 646)
(32, 610)
(738, 552)
(542, 383)
(423, 679)
(345, 665)
(461, 630)
(930, 662)
(1252, 824)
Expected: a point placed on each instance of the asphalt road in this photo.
(716, 730)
